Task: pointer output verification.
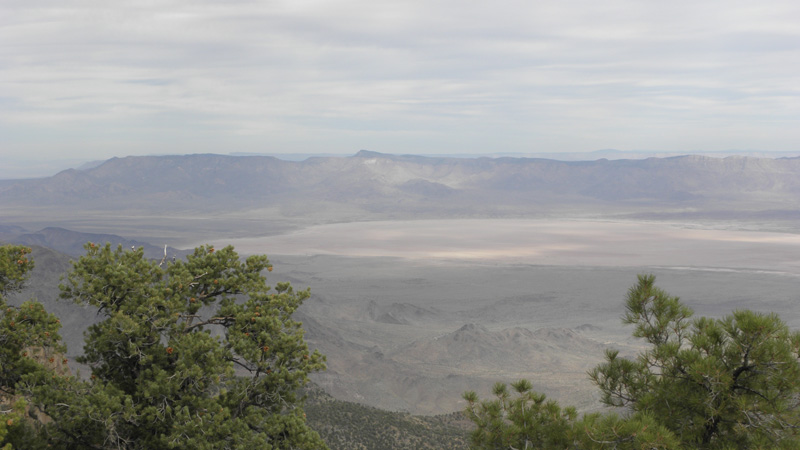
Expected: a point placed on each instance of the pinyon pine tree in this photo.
(196, 354)
(28, 338)
(704, 383)
(729, 383)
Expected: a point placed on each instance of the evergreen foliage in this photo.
(715, 383)
(520, 422)
(528, 420)
(196, 354)
(24, 330)
(704, 383)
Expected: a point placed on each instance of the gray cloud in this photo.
(110, 78)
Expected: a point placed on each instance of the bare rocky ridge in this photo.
(475, 350)
(72, 242)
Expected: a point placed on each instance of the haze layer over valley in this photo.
(432, 276)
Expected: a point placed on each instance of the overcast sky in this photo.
(96, 79)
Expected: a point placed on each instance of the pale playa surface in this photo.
(548, 242)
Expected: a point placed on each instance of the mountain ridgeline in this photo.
(389, 186)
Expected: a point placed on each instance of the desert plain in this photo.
(413, 313)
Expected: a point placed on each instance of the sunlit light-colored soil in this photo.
(551, 242)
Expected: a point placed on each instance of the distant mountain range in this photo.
(20, 167)
(391, 186)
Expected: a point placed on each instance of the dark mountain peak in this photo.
(369, 154)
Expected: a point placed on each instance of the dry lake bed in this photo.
(548, 242)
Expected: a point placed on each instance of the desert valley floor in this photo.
(413, 313)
